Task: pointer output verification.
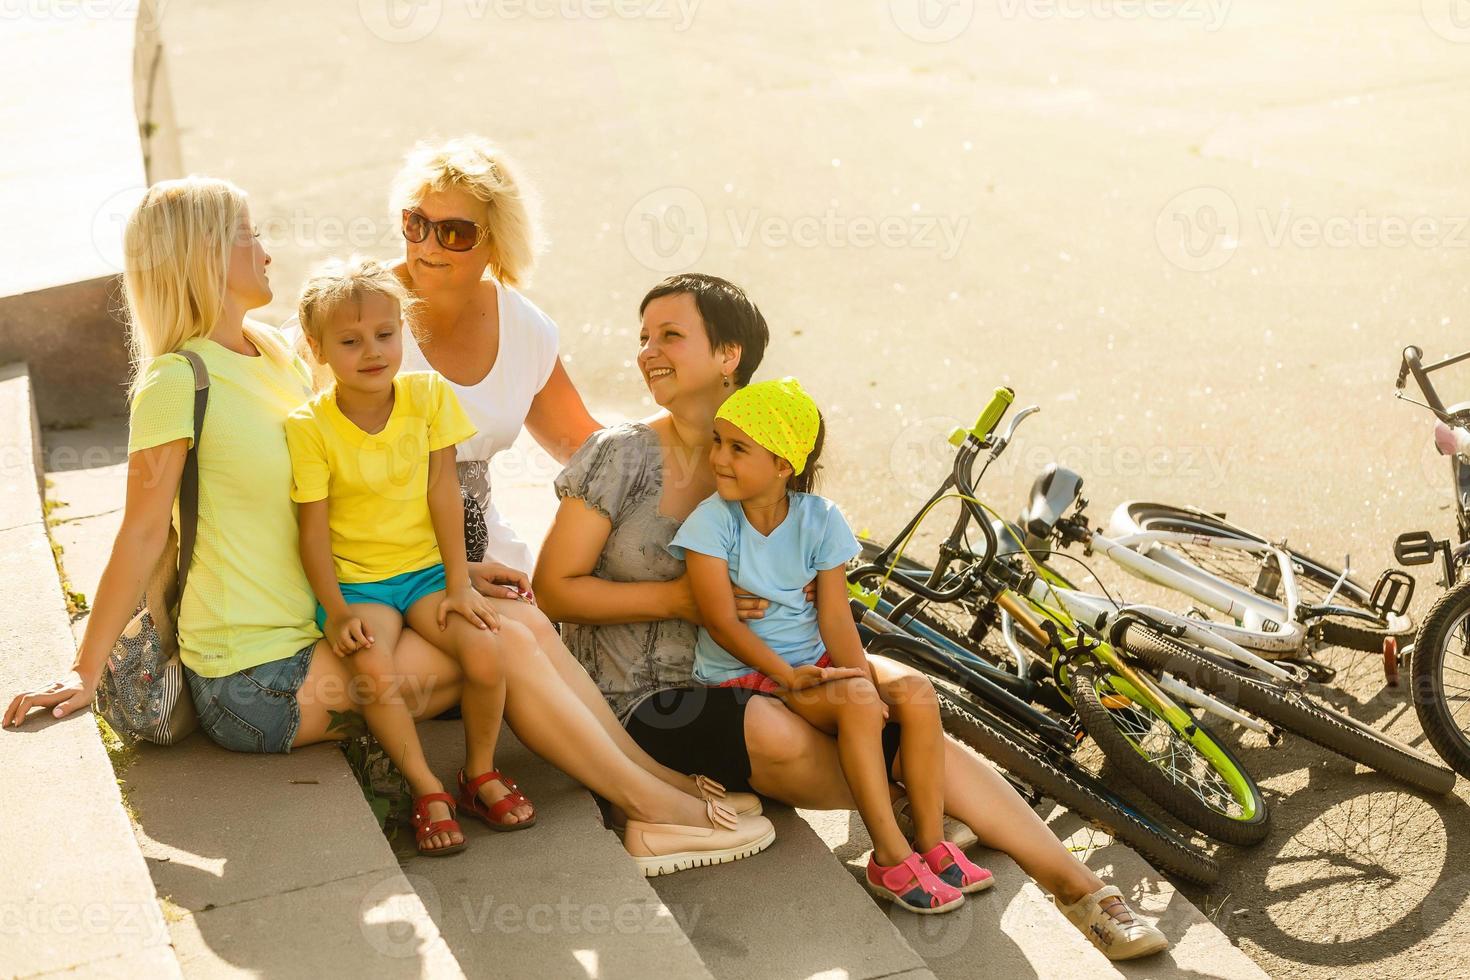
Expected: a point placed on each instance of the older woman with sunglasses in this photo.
(471, 238)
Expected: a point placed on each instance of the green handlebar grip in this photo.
(999, 402)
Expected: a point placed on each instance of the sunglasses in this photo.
(455, 234)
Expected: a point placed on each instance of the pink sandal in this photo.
(425, 826)
(957, 871)
(494, 813)
(911, 885)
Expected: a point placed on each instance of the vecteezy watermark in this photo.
(147, 14)
(1200, 229)
(1210, 13)
(932, 21)
(1450, 19)
(937, 21)
(34, 918)
(669, 229)
(392, 914)
(921, 454)
(406, 21)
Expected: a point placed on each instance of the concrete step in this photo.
(274, 865)
(746, 918)
(559, 900)
(1199, 948)
(1012, 930)
(79, 897)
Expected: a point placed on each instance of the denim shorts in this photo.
(253, 710)
(400, 592)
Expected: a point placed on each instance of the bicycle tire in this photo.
(1103, 723)
(1076, 789)
(1431, 702)
(1351, 633)
(1292, 711)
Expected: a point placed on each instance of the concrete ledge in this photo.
(1199, 948)
(79, 895)
(75, 347)
(1013, 929)
(275, 866)
(741, 916)
(559, 901)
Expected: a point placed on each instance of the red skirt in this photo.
(756, 681)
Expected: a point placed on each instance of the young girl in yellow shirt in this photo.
(382, 536)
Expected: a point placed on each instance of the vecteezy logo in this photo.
(1450, 19)
(667, 230)
(400, 21)
(932, 21)
(108, 223)
(389, 913)
(1199, 229)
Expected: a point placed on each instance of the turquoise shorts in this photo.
(400, 591)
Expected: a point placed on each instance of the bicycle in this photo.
(1440, 662)
(1164, 750)
(1195, 661)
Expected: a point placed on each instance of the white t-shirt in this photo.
(497, 405)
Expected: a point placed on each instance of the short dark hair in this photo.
(806, 480)
(729, 316)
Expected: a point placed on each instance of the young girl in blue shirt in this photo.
(765, 531)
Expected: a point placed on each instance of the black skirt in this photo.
(702, 730)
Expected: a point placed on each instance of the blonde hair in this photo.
(338, 282)
(479, 168)
(176, 248)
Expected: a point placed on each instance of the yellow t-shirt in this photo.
(247, 600)
(377, 483)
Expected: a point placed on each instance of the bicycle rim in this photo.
(1189, 773)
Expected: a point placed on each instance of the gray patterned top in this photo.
(619, 472)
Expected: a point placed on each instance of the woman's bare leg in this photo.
(584, 688)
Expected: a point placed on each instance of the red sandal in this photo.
(425, 827)
(494, 813)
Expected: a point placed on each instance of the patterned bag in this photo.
(476, 534)
(143, 690)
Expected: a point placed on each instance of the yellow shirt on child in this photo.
(376, 483)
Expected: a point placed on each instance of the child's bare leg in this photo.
(910, 697)
(852, 708)
(482, 698)
(377, 692)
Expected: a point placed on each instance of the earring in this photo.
(727, 381)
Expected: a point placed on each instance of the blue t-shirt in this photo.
(813, 537)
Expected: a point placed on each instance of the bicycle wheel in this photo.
(1315, 579)
(1056, 776)
(1292, 710)
(1441, 666)
(1192, 775)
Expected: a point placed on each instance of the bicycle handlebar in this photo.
(989, 416)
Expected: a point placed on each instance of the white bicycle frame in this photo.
(1260, 623)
